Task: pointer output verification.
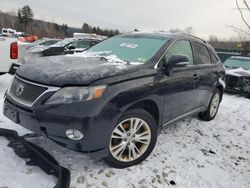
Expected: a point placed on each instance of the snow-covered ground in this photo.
(189, 154)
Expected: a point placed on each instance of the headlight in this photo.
(246, 80)
(76, 94)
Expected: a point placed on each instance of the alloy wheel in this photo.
(214, 104)
(130, 139)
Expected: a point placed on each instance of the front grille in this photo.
(25, 92)
(232, 81)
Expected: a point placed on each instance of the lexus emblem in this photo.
(19, 89)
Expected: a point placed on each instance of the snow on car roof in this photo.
(163, 34)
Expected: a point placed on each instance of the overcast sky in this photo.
(205, 16)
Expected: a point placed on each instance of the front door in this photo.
(180, 85)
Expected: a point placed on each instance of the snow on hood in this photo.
(238, 72)
(112, 59)
(72, 70)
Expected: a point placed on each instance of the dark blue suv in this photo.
(112, 100)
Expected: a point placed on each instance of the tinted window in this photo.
(64, 42)
(201, 54)
(82, 44)
(214, 58)
(49, 42)
(180, 48)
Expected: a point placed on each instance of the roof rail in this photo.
(193, 37)
(183, 33)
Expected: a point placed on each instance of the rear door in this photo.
(181, 90)
(207, 72)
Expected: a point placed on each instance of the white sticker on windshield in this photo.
(128, 45)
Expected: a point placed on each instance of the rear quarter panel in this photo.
(5, 60)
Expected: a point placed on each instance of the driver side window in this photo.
(180, 48)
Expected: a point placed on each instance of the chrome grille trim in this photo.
(49, 89)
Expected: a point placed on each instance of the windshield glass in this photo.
(49, 42)
(64, 42)
(129, 48)
(236, 63)
(37, 42)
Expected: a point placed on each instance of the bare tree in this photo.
(241, 9)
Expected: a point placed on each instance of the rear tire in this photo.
(133, 139)
(213, 107)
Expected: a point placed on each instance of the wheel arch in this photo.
(148, 105)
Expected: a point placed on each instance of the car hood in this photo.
(71, 70)
(239, 72)
(38, 48)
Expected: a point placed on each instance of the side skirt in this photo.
(192, 112)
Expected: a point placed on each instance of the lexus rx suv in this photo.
(112, 100)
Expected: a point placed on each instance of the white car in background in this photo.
(12, 52)
(8, 54)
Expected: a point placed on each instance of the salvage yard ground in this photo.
(189, 154)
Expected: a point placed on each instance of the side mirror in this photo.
(177, 61)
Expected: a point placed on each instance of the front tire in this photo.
(213, 107)
(132, 140)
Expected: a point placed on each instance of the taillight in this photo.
(14, 50)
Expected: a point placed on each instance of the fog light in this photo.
(74, 134)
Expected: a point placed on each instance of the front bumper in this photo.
(235, 84)
(54, 120)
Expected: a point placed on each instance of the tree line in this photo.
(23, 20)
(86, 28)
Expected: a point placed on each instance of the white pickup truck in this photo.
(8, 55)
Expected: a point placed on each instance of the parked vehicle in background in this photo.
(89, 36)
(238, 75)
(8, 32)
(44, 42)
(38, 45)
(224, 54)
(112, 100)
(80, 45)
(66, 46)
(8, 54)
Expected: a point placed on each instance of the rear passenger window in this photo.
(201, 54)
(214, 59)
(180, 48)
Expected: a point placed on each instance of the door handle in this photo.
(195, 76)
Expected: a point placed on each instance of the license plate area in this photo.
(11, 114)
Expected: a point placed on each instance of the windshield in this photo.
(236, 63)
(49, 42)
(64, 42)
(130, 49)
(82, 44)
(37, 42)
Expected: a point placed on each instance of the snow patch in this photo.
(190, 154)
(235, 72)
(111, 58)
